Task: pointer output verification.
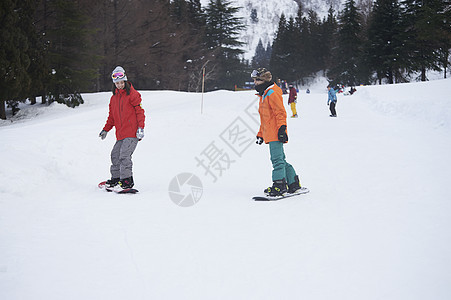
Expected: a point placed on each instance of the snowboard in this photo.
(126, 191)
(303, 190)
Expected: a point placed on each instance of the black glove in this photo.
(103, 134)
(282, 134)
(259, 140)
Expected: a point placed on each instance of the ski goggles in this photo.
(118, 75)
(255, 74)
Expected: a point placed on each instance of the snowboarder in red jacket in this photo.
(127, 116)
(292, 100)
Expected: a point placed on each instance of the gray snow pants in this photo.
(121, 158)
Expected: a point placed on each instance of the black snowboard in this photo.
(302, 191)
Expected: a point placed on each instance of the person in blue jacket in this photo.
(332, 99)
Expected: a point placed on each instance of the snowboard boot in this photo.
(110, 183)
(295, 186)
(278, 188)
(127, 183)
(124, 184)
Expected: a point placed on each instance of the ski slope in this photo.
(375, 225)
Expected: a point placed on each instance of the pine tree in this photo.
(302, 44)
(260, 57)
(116, 35)
(385, 47)
(196, 15)
(314, 49)
(297, 47)
(73, 65)
(348, 55)
(159, 43)
(188, 49)
(426, 26)
(329, 38)
(197, 21)
(14, 53)
(291, 46)
(38, 69)
(278, 54)
(445, 36)
(222, 30)
(178, 10)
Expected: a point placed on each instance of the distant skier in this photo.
(127, 116)
(292, 100)
(273, 131)
(332, 99)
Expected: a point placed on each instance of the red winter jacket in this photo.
(293, 95)
(126, 114)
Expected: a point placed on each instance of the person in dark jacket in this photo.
(292, 100)
(127, 116)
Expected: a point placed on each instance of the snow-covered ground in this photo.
(376, 224)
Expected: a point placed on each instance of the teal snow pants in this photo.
(281, 169)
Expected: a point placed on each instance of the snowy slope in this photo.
(375, 225)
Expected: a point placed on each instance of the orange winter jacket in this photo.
(272, 114)
(126, 114)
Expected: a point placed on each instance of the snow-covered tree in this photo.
(222, 33)
(348, 55)
(385, 42)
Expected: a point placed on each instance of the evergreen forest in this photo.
(58, 49)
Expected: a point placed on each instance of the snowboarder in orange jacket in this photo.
(273, 131)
